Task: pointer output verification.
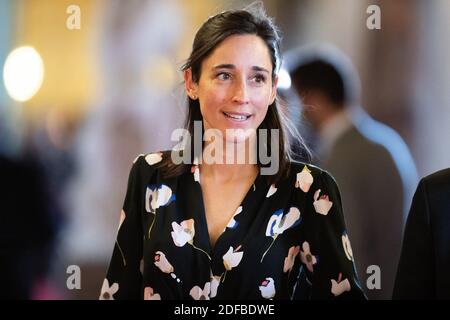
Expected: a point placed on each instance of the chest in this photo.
(221, 202)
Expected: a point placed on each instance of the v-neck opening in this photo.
(212, 249)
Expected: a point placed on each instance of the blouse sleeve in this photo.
(326, 253)
(124, 278)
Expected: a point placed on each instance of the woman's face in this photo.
(235, 86)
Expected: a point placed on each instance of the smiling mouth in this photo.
(236, 117)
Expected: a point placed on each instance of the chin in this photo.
(238, 137)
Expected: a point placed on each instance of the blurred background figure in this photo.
(371, 163)
(27, 227)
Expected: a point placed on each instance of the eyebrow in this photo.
(232, 66)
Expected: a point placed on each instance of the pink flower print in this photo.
(162, 263)
(107, 292)
(290, 259)
(198, 293)
(340, 286)
(150, 295)
(306, 257)
(322, 205)
(215, 282)
(304, 179)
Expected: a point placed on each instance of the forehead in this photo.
(241, 51)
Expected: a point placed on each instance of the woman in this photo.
(229, 229)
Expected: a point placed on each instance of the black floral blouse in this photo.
(285, 241)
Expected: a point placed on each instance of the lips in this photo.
(237, 116)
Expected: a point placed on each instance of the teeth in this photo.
(236, 117)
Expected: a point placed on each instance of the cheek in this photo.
(261, 104)
(211, 99)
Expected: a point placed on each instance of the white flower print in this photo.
(304, 179)
(232, 258)
(347, 247)
(201, 294)
(156, 197)
(153, 158)
(150, 295)
(271, 191)
(107, 292)
(162, 263)
(233, 223)
(290, 259)
(340, 286)
(307, 258)
(279, 222)
(267, 288)
(322, 205)
(184, 233)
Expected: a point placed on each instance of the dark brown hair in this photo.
(252, 20)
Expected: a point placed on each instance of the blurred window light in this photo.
(23, 73)
(284, 79)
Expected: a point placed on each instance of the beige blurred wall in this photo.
(71, 76)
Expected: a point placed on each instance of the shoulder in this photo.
(146, 164)
(441, 178)
(297, 167)
(313, 180)
(436, 186)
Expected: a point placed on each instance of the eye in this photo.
(223, 76)
(259, 79)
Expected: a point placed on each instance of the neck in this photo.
(229, 161)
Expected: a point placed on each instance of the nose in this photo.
(240, 93)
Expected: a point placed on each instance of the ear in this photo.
(273, 94)
(190, 85)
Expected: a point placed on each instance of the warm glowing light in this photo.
(23, 73)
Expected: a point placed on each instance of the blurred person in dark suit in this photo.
(423, 271)
(26, 228)
(370, 161)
